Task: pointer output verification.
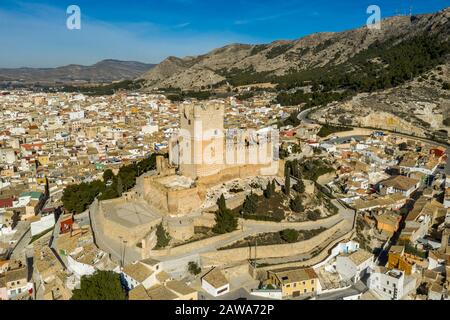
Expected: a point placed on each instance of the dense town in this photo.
(92, 187)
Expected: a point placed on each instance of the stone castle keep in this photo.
(200, 151)
(204, 148)
(197, 161)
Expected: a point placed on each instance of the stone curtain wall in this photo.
(271, 251)
(115, 230)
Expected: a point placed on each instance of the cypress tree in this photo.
(287, 181)
(225, 219)
(296, 204)
(250, 204)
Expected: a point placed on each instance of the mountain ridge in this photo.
(103, 71)
(281, 57)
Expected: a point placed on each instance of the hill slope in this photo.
(243, 64)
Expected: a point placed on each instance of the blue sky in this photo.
(33, 33)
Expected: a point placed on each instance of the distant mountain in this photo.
(103, 71)
(243, 64)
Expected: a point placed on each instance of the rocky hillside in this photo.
(241, 63)
(420, 107)
(103, 71)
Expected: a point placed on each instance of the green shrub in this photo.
(193, 268)
(102, 285)
(289, 235)
(296, 204)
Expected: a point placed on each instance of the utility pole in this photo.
(121, 252)
(124, 251)
(256, 245)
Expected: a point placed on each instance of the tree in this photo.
(287, 181)
(225, 219)
(119, 186)
(108, 175)
(109, 193)
(295, 168)
(403, 146)
(250, 204)
(446, 122)
(289, 235)
(193, 268)
(102, 285)
(296, 204)
(299, 186)
(314, 215)
(76, 198)
(270, 190)
(162, 237)
(221, 203)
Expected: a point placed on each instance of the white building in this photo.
(355, 265)
(215, 283)
(391, 284)
(79, 268)
(345, 248)
(146, 273)
(399, 184)
(7, 156)
(150, 128)
(45, 223)
(76, 115)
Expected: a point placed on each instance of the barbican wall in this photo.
(113, 229)
(242, 254)
(270, 251)
(171, 201)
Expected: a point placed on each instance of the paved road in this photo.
(238, 294)
(303, 115)
(347, 139)
(357, 288)
(19, 250)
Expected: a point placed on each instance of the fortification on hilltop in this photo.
(201, 155)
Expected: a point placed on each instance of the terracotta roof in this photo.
(180, 287)
(138, 293)
(295, 275)
(360, 256)
(400, 182)
(18, 274)
(160, 292)
(137, 271)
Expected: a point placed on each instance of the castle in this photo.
(201, 155)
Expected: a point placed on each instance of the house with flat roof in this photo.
(390, 284)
